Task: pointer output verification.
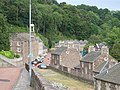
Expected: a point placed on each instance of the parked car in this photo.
(37, 61)
(40, 60)
(42, 66)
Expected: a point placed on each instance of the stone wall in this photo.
(38, 82)
(15, 64)
(103, 85)
(5, 65)
(74, 73)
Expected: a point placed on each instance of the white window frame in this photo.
(82, 64)
(67, 52)
(89, 66)
(18, 43)
(18, 49)
(86, 70)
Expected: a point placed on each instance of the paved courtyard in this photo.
(9, 77)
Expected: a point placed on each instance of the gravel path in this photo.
(23, 82)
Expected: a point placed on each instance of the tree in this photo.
(4, 34)
(95, 39)
(115, 52)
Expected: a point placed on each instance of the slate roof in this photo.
(111, 75)
(44, 47)
(91, 57)
(103, 66)
(59, 50)
(77, 67)
(21, 36)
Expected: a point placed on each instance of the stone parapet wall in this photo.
(17, 62)
(38, 82)
(5, 65)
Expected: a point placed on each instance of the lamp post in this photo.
(30, 41)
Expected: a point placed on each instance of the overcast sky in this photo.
(110, 4)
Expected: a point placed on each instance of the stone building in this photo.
(20, 45)
(109, 79)
(95, 62)
(68, 57)
(79, 45)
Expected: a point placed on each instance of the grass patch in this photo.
(73, 84)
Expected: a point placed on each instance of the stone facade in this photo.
(20, 45)
(69, 57)
(79, 45)
(90, 62)
(108, 79)
(95, 62)
(104, 85)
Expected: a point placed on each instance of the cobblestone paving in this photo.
(23, 82)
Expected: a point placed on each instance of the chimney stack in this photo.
(91, 48)
(104, 50)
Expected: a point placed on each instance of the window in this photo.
(82, 71)
(18, 43)
(82, 64)
(52, 57)
(18, 49)
(85, 70)
(55, 59)
(67, 52)
(89, 66)
(68, 46)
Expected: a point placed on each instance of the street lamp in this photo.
(30, 41)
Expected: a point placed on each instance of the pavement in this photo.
(9, 77)
(23, 82)
(14, 79)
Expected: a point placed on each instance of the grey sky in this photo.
(110, 4)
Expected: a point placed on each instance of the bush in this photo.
(17, 56)
(9, 54)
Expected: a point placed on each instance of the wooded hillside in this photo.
(56, 22)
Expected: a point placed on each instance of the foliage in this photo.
(95, 39)
(45, 40)
(8, 54)
(56, 22)
(115, 52)
(16, 56)
(14, 28)
(4, 35)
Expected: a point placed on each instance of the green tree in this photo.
(4, 35)
(115, 52)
